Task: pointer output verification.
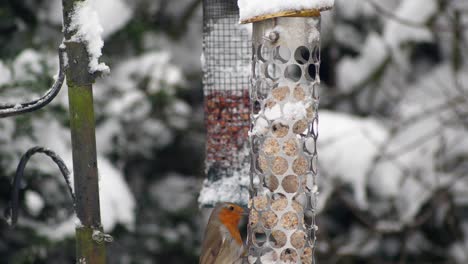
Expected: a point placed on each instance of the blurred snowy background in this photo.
(393, 132)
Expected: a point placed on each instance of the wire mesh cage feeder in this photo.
(226, 67)
(283, 134)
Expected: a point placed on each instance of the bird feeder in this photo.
(284, 122)
(226, 68)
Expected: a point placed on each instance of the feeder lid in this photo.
(258, 10)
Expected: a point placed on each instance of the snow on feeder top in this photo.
(226, 70)
(258, 10)
(284, 128)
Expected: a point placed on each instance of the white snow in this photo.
(294, 111)
(5, 74)
(252, 8)
(116, 200)
(113, 14)
(261, 127)
(155, 66)
(347, 147)
(417, 11)
(175, 192)
(232, 189)
(26, 64)
(34, 202)
(85, 21)
(353, 72)
(273, 112)
(106, 10)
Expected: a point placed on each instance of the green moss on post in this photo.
(83, 135)
(91, 251)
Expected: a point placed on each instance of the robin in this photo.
(222, 243)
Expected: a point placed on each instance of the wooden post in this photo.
(82, 125)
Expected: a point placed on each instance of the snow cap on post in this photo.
(258, 10)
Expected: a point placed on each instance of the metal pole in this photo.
(82, 125)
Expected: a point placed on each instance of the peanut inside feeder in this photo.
(285, 100)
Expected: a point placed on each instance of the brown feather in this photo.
(219, 247)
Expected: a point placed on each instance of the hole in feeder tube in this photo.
(302, 55)
(269, 219)
(311, 72)
(316, 54)
(298, 239)
(289, 220)
(278, 239)
(279, 130)
(290, 183)
(257, 107)
(293, 72)
(268, 257)
(300, 166)
(271, 182)
(279, 166)
(306, 256)
(279, 202)
(288, 255)
(271, 147)
(272, 71)
(280, 93)
(299, 93)
(290, 147)
(263, 53)
(259, 238)
(282, 54)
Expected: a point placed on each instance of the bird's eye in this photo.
(231, 208)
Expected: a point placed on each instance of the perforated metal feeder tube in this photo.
(284, 121)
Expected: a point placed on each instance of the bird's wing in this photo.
(211, 246)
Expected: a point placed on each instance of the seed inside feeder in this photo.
(299, 93)
(270, 103)
(310, 112)
(271, 146)
(279, 202)
(300, 166)
(269, 219)
(271, 182)
(306, 257)
(298, 239)
(279, 130)
(289, 220)
(290, 183)
(253, 217)
(288, 255)
(280, 165)
(278, 239)
(280, 93)
(300, 126)
(260, 202)
(290, 147)
(262, 163)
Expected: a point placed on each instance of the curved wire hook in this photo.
(12, 211)
(7, 110)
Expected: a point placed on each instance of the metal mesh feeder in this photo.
(283, 135)
(226, 67)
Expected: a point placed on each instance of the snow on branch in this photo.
(85, 23)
